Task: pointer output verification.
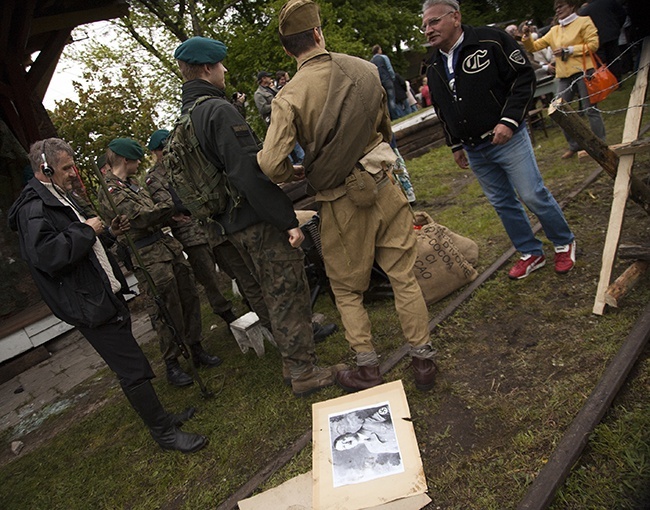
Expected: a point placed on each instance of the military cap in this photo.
(201, 50)
(263, 74)
(127, 148)
(298, 16)
(157, 139)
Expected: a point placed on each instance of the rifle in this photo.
(164, 312)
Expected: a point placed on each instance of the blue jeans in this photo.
(393, 110)
(297, 155)
(505, 171)
(570, 90)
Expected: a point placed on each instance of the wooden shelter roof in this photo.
(33, 34)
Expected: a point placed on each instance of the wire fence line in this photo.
(633, 74)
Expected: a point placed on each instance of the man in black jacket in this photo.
(263, 227)
(80, 284)
(481, 85)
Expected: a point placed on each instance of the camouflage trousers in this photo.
(352, 239)
(281, 273)
(176, 287)
(230, 261)
(202, 261)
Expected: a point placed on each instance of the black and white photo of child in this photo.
(364, 445)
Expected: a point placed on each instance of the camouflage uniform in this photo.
(281, 273)
(233, 264)
(258, 226)
(194, 240)
(162, 256)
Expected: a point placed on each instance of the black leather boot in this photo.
(144, 400)
(359, 378)
(228, 316)
(322, 331)
(202, 358)
(175, 374)
(180, 418)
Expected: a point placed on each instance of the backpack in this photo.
(202, 186)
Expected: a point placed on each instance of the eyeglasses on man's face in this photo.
(434, 22)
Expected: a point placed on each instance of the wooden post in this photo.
(624, 283)
(623, 178)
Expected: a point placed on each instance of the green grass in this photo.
(518, 360)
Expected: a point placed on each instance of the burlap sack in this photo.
(441, 266)
(465, 245)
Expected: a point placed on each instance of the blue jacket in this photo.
(494, 83)
(58, 249)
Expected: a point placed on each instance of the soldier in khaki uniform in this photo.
(188, 231)
(161, 254)
(263, 226)
(335, 107)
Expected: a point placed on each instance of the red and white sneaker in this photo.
(526, 265)
(565, 258)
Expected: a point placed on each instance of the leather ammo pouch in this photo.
(361, 185)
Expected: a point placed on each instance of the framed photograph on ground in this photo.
(365, 451)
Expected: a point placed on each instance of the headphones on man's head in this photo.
(47, 170)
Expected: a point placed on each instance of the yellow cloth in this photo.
(577, 33)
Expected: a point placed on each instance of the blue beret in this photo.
(127, 148)
(201, 50)
(157, 139)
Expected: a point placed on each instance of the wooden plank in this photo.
(41, 325)
(624, 283)
(50, 333)
(16, 366)
(622, 182)
(14, 344)
(542, 491)
(633, 252)
(72, 19)
(24, 318)
(625, 148)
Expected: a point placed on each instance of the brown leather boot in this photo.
(424, 373)
(359, 378)
(314, 379)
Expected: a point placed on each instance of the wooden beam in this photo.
(21, 25)
(621, 149)
(623, 178)
(41, 71)
(564, 116)
(541, 492)
(633, 252)
(624, 283)
(70, 20)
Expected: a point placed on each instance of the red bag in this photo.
(602, 82)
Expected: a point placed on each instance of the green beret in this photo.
(201, 50)
(127, 148)
(298, 16)
(101, 161)
(157, 140)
